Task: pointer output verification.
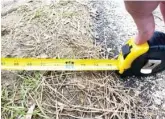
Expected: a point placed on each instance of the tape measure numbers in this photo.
(58, 64)
(128, 54)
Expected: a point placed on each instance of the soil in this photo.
(112, 27)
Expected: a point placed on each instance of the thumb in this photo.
(141, 12)
(143, 37)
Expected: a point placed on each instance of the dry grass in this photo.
(72, 95)
(50, 31)
(62, 30)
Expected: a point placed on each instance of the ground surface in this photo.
(35, 31)
(116, 24)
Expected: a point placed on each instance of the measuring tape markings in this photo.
(58, 64)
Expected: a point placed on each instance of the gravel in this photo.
(113, 26)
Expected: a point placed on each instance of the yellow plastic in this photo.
(58, 64)
(136, 51)
(120, 64)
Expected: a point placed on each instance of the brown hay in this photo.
(62, 30)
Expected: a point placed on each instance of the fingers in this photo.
(162, 8)
(141, 11)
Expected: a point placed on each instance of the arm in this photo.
(141, 11)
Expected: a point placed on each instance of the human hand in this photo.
(141, 11)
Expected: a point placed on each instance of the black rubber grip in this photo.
(157, 42)
(157, 46)
(156, 52)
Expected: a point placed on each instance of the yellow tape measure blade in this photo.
(58, 64)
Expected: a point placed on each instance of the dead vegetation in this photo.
(62, 30)
(49, 31)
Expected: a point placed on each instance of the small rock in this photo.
(163, 106)
(157, 101)
(109, 49)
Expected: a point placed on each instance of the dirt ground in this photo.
(115, 23)
(74, 29)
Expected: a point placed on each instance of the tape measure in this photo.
(139, 60)
(129, 53)
(58, 64)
